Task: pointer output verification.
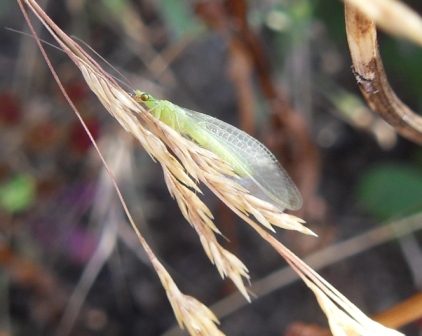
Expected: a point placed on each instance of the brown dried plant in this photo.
(362, 20)
(189, 165)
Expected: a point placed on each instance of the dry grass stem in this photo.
(126, 111)
(392, 16)
(195, 164)
(190, 313)
(194, 210)
(344, 317)
(343, 324)
(198, 214)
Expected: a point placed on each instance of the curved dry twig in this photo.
(371, 78)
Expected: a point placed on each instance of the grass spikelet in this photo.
(190, 313)
(198, 214)
(344, 317)
(229, 265)
(343, 324)
(212, 171)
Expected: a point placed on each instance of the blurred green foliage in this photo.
(402, 60)
(181, 20)
(18, 194)
(389, 190)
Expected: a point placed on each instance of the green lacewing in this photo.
(259, 171)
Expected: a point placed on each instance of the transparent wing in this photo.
(262, 175)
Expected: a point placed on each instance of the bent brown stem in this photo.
(371, 78)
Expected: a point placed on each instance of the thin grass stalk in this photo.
(187, 310)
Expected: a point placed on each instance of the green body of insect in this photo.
(259, 171)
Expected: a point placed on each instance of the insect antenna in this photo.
(128, 84)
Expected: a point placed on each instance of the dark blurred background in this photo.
(70, 263)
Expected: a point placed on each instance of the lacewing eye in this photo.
(145, 97)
